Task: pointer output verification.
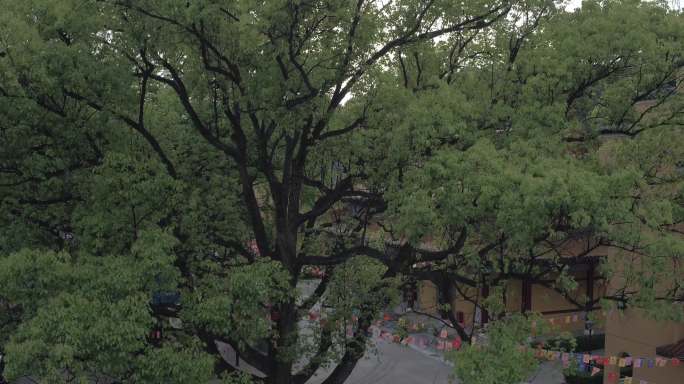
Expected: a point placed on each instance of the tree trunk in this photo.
(287, 332)
(287, 335)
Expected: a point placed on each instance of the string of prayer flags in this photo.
(566, 319)
(585, 359)
(622, 362)
(422, 343)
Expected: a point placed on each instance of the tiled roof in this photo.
(672, 350)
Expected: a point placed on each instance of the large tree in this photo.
(220, 148)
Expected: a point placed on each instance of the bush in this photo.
(499, 360)
(582, 343)
(585, 379)
(590, 343)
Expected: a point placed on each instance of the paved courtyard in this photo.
(396, 364)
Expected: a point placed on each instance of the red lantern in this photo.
(456, 343)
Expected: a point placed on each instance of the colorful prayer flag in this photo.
(627, 380)
(651, 363)
(613, 360)
(586, 359)
(676, 362)
(621, 363)
(628, 361)
(637, 363)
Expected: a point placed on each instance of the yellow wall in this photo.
(543, 300)
(427, 297)
(635, 334)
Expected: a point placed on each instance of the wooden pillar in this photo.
(526, 302)
(485, 294)
(590, 286)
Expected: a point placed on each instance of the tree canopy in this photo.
(212, 151)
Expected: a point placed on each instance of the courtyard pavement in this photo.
(387, 362)
(398, 364)
(395, 364)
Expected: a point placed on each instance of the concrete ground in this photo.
(395, 364)
(391, 363)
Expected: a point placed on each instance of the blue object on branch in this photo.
(165, 298)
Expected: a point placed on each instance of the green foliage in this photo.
(237, 305)
(157, 147)
(499, 360)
